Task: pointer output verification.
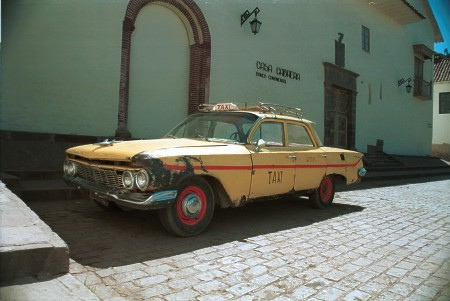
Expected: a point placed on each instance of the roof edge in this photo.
(413, 9)
(436, 30)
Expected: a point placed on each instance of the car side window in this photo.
(298, 136)
(271, 132)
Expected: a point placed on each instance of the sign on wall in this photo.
(277, 74)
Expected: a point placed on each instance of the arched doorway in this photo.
(159, 73)
(199, 53)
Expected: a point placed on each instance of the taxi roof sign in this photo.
(226, 106)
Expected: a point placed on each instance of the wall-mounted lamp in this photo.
(408, 86)
(255, 24)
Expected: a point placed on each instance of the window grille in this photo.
(365, 38)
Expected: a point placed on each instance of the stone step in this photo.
(36, 174)
(376, 174)
(38, 184)
(9, 179)
(380, 160)
(28, 247)
(46, 189)
(384, 164)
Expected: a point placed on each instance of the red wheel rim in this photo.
(326, 189)
(191, 205)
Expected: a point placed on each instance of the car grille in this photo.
(107, 177)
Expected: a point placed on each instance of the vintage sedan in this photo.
(226, 155)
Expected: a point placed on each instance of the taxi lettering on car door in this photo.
(273, 169)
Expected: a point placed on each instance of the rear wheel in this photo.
(192, 212)
(323, 196)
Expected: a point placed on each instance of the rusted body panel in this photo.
(240, 171)
(171, 160)
(230, 165)
(243, 173)
(343, 162)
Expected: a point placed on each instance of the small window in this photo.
(365, 34)
(298, 137)
(444, 103)
(271, 132)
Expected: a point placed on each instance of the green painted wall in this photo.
(61, 65)
(159, 75)
(300, 36)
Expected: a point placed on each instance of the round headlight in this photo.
(128, 179)
(65, 166)
(70, 168)
(142, 180)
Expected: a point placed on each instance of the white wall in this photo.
(441, 122)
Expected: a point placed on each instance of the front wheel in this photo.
(323, 196)
(192, 212)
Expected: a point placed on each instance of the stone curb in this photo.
(28, 247)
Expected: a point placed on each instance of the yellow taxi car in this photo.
(226, 155)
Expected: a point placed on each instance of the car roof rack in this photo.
(261, 107)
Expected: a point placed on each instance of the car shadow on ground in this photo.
(106, 239)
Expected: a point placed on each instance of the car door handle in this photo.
(324, 156)
(292, 157)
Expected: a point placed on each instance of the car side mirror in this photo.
(261, 143)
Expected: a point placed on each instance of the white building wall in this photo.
(441, 122)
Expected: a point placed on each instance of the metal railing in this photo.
(422, 89)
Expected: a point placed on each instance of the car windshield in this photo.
(230, 127)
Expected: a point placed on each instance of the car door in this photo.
(273, 165)
(310, 160)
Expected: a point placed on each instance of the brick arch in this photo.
(200, 55)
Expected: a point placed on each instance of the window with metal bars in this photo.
(365, 38)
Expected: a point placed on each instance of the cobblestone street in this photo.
(390, 243)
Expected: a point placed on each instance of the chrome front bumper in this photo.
(157, 200)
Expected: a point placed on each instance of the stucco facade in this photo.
(67, 70)
(441, 100)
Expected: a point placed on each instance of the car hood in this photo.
(125, 150)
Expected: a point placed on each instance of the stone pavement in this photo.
(65, 287)
(388, 243)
